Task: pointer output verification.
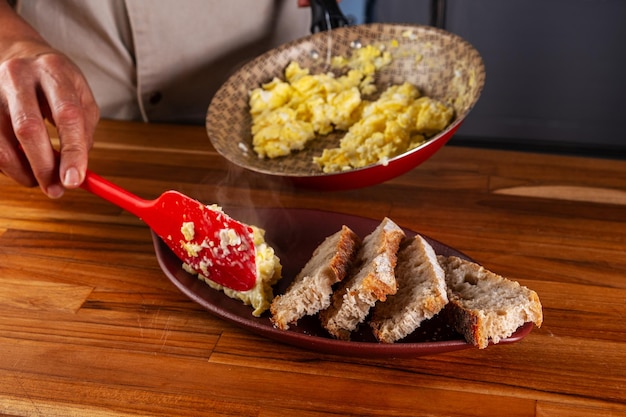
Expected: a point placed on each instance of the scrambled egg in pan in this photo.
(398, 121)
(287, 114)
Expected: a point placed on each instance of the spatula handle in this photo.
(115, 194)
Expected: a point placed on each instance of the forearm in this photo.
(15, 33)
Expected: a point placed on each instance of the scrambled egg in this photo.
(398, 121)
(287, 114)
(268, 270)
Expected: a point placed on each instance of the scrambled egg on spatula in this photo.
(287, 114)
(268, 270)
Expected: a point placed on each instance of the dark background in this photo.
(556, 69)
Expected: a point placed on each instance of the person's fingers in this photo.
(13, 162)
(19, 92)
(31, 89)
(74, 113)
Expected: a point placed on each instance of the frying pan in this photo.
(441, 64)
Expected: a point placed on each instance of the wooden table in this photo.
(90, 325)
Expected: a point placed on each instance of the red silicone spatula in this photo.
(209, 241)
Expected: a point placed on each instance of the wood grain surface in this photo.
(90, 325)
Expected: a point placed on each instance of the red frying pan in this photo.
(442, 65)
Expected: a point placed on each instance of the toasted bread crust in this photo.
(405, 283)
(421, 293)
(372, 280)
(485, 306)
(345, 254)
(311, 289)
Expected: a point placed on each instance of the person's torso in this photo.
(160, 60)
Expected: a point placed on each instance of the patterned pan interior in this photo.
(442, 65)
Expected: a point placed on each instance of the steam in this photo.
(243, 194)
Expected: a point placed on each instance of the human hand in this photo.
(38, 83)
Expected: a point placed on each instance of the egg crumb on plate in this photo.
(268, 268)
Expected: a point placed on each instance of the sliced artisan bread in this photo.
(484, 306)
(421, 293)
(311, 289)
(372, 280)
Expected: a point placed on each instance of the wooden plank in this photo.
(39, 295)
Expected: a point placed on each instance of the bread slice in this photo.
(421, 293)
(485, 306)
(311, 289)
(373, 280)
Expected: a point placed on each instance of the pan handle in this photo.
(325, 15)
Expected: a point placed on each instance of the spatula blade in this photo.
(207, 239)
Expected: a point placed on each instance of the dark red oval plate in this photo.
(294, 234)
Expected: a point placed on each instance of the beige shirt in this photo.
(162, 60)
